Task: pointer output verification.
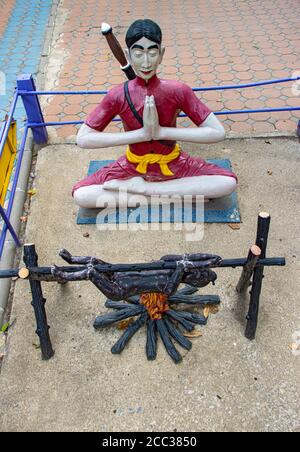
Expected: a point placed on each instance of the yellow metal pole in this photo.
(7, 161)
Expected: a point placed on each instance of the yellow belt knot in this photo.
(149, 159)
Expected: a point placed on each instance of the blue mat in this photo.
(224, 210)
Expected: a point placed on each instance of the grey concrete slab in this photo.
(225, 383)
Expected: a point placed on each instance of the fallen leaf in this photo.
(23, 219)
(32, 192)
(191, 334)
(213, 309)
(234, 226)
(125, 323)
(210, 309)
(294, 347)
(37, 346)
(5, 327)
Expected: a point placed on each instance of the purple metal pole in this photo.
(14, 187)
(9, 227)
(32, 106)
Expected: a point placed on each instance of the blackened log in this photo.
(177, 335)
(263, 228)
(38, 303)
(116, 304)
(187, 290)
(11, 273)
(151, 344)
(191, 317)
(188, 326)
(163, 332)
(194, 300)
(253, 256)
(128, 333)
(113, 317)
(135, 299)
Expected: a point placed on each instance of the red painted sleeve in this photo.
(192, 106)
(105, 112)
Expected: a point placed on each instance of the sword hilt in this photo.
(117, 50)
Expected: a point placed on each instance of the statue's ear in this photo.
(162, 53)
(127, 54)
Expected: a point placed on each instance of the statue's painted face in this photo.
(145, 56)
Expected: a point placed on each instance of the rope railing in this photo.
(207, 88)
(182, 115)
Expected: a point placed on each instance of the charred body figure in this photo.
(120, 286)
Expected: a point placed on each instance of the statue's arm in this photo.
(210, 131)
(88, 138)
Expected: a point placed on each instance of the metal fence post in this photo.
(25, 82)
(9, 227)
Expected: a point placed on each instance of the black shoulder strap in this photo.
(130, 103)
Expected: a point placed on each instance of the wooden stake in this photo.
(38, 303)
(263, 228)
(24, 273)
(253, 256)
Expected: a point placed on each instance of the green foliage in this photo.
(5, 327)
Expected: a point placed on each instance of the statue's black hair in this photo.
(143, 28)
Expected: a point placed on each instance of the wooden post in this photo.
(38, 303)
(253, 256)
(263, 228)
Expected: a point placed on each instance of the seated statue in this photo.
(155, 163)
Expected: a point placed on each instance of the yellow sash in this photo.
(149, 159)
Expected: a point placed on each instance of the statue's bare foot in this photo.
(65, 255)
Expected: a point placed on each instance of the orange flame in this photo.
(155, 303)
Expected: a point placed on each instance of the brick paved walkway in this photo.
(208, 43)
(22, 31)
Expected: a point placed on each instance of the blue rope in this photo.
(209, 88)
(224, 112)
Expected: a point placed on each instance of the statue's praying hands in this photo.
(151, 119)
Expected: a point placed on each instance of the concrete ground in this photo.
(225, 383)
